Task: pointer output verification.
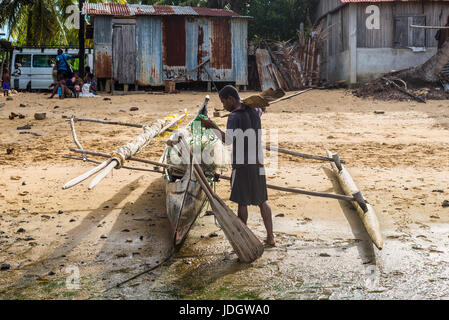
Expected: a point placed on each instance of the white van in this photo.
(35, 66)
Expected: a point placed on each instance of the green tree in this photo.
(39, 22)
(273, 19)
(277, 19)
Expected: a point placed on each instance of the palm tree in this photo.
(39, 22)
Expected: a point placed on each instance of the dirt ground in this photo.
(76, 243)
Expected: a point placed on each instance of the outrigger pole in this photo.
(127, 151)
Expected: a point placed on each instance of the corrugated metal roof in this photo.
(215, 12)
(346, 1)
(126, 10)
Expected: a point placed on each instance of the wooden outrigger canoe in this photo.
(368, 216)
(185, 198)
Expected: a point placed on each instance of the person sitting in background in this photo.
(60, 88)
(6, 78)
(69, 85)
(87, 74)
(93, 84)
(17, 70)
(77, 84)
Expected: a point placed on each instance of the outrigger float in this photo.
(188, 184)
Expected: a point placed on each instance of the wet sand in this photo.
(398, 159)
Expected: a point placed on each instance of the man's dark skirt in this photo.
(249, 185)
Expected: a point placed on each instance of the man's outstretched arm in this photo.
(209, 124)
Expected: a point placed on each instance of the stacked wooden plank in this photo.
(291, 66)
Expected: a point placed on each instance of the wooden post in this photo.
(81, 39)
(209, 86)
(3, 63)
(360, 200)
(337, 161)
(353, 43)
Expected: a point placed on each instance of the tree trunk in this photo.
(29, 36)
(428, 72)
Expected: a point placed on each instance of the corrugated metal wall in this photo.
(103, 47)
(240, 51)
(168, 46)
(149, 48)
(197, 47)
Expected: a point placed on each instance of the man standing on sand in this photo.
(62, 64)
(248, 182)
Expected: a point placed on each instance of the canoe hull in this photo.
(184, 201)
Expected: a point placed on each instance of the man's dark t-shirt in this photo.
(248, 180)
(246, 142)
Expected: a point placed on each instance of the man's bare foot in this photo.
(270, 242)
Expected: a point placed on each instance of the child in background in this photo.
(60, 88)
(6, 80)
(93, 84)
(77, 84)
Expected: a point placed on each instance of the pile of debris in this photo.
(389, 88)
(291, 65)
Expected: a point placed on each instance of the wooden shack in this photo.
(145, 45)
(369, 38)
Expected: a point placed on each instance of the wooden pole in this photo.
(428, 27)
(118, 123)
(279, 100)
(81, 40)
(180, 168)
(124, 167)
(302, 155)
(125, 152)
(290, 96)
(106, 155)
(103, 174)
(86, 175)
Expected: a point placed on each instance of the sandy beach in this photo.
(399, 159)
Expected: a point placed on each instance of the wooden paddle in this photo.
(245, 244)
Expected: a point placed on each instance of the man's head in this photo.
(229, 97)
(60, 51)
